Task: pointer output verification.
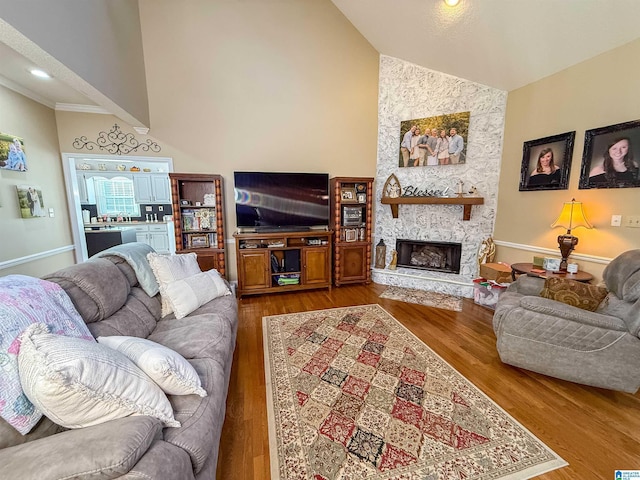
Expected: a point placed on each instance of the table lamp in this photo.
(570, 217)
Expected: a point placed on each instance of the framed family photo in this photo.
(546, 163)
(608, 159)
(12, 156)
(348, 195)
(431, 141)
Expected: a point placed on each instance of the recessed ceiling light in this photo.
(451, 3)
(39, 73)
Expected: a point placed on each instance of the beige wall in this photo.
(264, 86)
(599, 92)
(33, 237)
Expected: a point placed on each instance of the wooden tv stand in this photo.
(283, 261)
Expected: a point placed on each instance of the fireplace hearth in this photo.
(423, 255)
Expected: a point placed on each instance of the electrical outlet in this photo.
(632, 221)
(616, 220)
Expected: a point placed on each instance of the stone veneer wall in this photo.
(408, 91)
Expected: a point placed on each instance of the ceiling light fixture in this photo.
(39, 73)
(451, 3)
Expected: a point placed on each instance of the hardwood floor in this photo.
(595, 430)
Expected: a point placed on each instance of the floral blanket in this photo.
(25, 300)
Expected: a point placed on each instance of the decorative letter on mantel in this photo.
(391, 196)
(116, 142)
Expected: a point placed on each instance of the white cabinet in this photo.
(152, 188)
(158, 235)
(161, 188)
(86, 192)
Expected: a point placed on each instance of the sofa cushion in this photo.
(136, 318)
(574, 293)
(171, 372)
(164, 460)
(197, 336)
(79, 383)
(187, 294)
(97, 288)
(23, 301)
(201, 418)
(102, 451)
(135, 254)
(169, 268)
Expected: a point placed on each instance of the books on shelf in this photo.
(201, 219)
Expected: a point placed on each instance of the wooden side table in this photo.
(526, 268)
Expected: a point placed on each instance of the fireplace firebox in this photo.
(438, 256)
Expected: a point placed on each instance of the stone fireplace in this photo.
(408, 91)
(425, 255)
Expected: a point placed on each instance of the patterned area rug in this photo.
(353, 395)
(421, 297)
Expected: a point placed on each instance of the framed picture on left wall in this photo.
(30, 201)
(12, 156)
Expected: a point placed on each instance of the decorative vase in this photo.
(381, 254)
(394, 260)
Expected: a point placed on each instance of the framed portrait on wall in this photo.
(608, 159)
(546, 162)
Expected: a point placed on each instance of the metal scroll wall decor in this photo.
(116, 142)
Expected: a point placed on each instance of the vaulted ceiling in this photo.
(504, 44)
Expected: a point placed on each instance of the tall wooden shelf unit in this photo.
(199, 225)
(283, 262)
(351, 217)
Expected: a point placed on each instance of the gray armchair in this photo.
(598, 348)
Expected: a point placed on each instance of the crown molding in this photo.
(141, 130)
(11, 85)
(75, 107)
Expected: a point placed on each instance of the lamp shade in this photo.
(572, 216)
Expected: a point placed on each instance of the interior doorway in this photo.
(105, 166)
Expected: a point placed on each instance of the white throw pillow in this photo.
(188, 294)
(169, 268)
(171, 372)
(77, 383)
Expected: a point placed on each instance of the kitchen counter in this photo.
(101, 226)
(99, 240)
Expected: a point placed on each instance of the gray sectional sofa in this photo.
(108, 296)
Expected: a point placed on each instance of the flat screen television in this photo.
(274, 201)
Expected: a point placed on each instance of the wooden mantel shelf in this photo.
(466, 202)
